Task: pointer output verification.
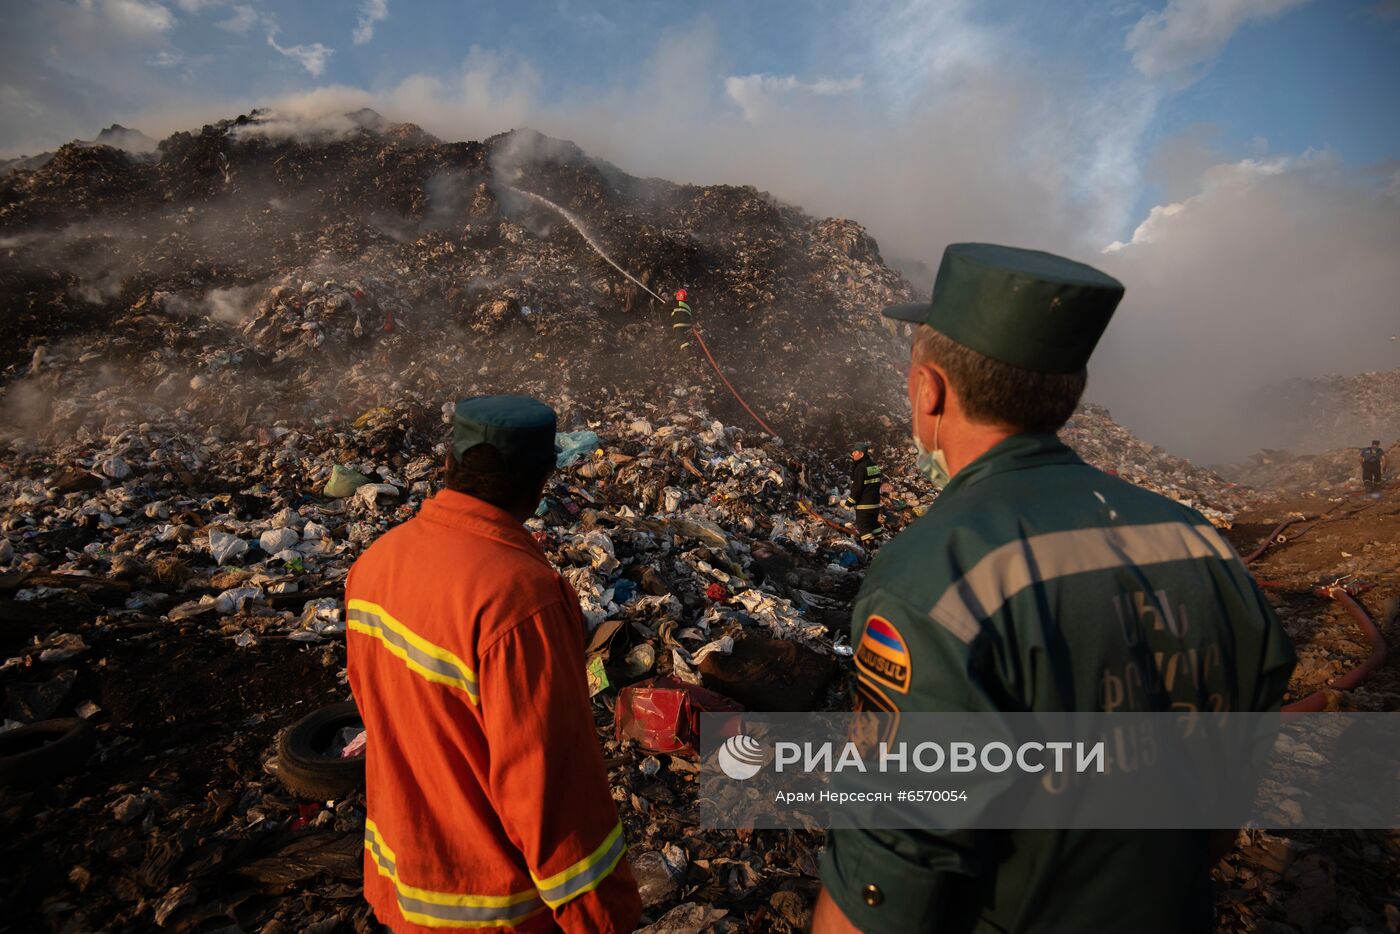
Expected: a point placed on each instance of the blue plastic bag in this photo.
(572, 446)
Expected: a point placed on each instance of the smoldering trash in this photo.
(229, 366)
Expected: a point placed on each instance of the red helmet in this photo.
(681, 294)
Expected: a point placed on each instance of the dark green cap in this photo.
(861, 446)
(520, 427)
(1031, 309)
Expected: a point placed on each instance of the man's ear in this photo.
(930, 389)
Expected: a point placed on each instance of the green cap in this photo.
(1031, 309)
(520, 427)
(863, 446)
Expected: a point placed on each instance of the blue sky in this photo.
(1236, 162)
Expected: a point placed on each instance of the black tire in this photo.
(305, 763)
(40, 752)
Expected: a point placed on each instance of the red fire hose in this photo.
(1317, 701)
(1273, 536)
(806, 507)
(728, 385)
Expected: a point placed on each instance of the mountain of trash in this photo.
(1319, 414)
(266, 271)
(227, 370)
(117, 136)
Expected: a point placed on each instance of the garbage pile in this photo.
(116, 136)
(222, 554)
(226, 371)
(1329, 412)
(1101, 441)
(1333, 473)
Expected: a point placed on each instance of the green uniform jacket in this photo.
(1038, 583)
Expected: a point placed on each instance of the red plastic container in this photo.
(663, 714)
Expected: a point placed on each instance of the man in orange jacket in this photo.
(488, 804)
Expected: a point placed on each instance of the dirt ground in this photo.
(154, 811)
(1334, 881)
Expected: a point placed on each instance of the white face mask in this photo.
(932, 464)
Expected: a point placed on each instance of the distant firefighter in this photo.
(865, 492)
(1373, 464)
(682, 321)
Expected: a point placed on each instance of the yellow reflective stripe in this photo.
(448, 909)
(433, 662)
(586, 874)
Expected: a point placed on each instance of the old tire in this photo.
(43, 751)
(306, 763)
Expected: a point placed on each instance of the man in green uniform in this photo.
(1038, 583)
(864, 497)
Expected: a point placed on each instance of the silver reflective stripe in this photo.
(1013, 567)
(603, 863)
(449, 907)
(438, 666)
(505, 916)
(380, 857)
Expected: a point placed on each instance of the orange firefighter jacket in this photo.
(488, 803)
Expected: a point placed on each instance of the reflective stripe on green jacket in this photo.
(1038, 583)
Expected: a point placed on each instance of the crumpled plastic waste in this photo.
(343, 482)
(663, 715)
(572, 446)
(226, 547)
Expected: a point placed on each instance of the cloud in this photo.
(243, 19)
(1276, 267)
(312, 57)
(137, 17)
(758, 94)
(1174, 42)
(1164, 219)
(371, 13)
(197, 6)
(166, 58)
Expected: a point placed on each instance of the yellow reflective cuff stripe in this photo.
(448, 909)
(586, 874)
(433, 662)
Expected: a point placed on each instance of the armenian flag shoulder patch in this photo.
(883, 655)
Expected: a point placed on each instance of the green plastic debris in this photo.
(597, 676)
(344, 482)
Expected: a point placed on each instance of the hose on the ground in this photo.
(728, 385)
(1317, 701)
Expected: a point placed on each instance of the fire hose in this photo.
(728, 385)
(807, 508)
(1276, 537)
(593, 244)
(1317, 701)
